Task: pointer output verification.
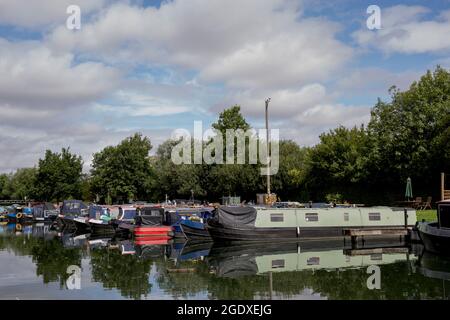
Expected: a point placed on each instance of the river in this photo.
(36, 262)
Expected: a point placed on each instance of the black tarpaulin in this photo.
(237, 216)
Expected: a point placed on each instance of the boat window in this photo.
(374, 216)
(276, 217)
(313, 261)
(278, 263)
(346, 216)
(376, 256)
(312, 217)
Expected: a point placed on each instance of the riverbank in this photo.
(427, 215)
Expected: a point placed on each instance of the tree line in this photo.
(405, 137)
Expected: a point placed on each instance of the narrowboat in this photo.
(17, 213)
(45, 212)
(100, 220)
(436, 235)
(149, 223)
(3, 214)
(179, 216)
(268, 224)
(194, 228)
(74, 215)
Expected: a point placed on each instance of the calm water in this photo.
(34, 262)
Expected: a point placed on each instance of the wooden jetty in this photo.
(355, 233)
(11, 202)
(445, 194)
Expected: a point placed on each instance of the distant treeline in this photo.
(406, 137)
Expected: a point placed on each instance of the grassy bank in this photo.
(427, 215)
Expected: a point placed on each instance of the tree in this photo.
(231, 118)
(22, 184)
(123, 172)
(4, 182)
(289, 182)
(59, 176)
(338, 163)
(234, 179)
(410, 134)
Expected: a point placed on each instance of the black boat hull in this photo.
(220, 232)
(195, 233)
(71, 224)
(435, 240)
(102, 228)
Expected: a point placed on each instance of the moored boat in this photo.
(436, 235)
(268, 224)
(74, 215)
(45, 212)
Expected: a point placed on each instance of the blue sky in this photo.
(152, 67)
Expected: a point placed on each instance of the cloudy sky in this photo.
(153, 66)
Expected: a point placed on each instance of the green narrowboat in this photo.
(267, 224)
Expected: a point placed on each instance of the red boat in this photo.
(153, 231)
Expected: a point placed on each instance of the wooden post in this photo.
(442, 186)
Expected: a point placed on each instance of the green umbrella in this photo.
(408, 192)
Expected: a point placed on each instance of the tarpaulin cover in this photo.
(150, 217)
(73, 207)
(38, 211)
(237, 216)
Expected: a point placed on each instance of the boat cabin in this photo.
(73, 208)
(443, 213)
(150, 216)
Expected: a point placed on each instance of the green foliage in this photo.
(123, 172)
(19, 185)
(59, 176)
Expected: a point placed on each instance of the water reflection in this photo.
(118, 267)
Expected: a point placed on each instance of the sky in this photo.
(155, 66)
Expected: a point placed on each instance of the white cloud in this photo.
(41, 13)
(258, 43)
(34, 77)
(405, 30)
(137, 105)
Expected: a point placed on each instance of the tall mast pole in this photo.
(268, 145)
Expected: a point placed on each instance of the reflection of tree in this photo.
(52, 260)
(50, 257)
(183, 284)
(127, 273)
(396, 283)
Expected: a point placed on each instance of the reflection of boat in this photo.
(194, 250)
(269, 224)
(234, 261)
(74, 240)
(146, 251)
(436, 235)
(434, 266)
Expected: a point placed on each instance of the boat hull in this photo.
(220, 232)
(195, 231)
(435, 240)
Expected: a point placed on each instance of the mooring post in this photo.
(405, 211)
